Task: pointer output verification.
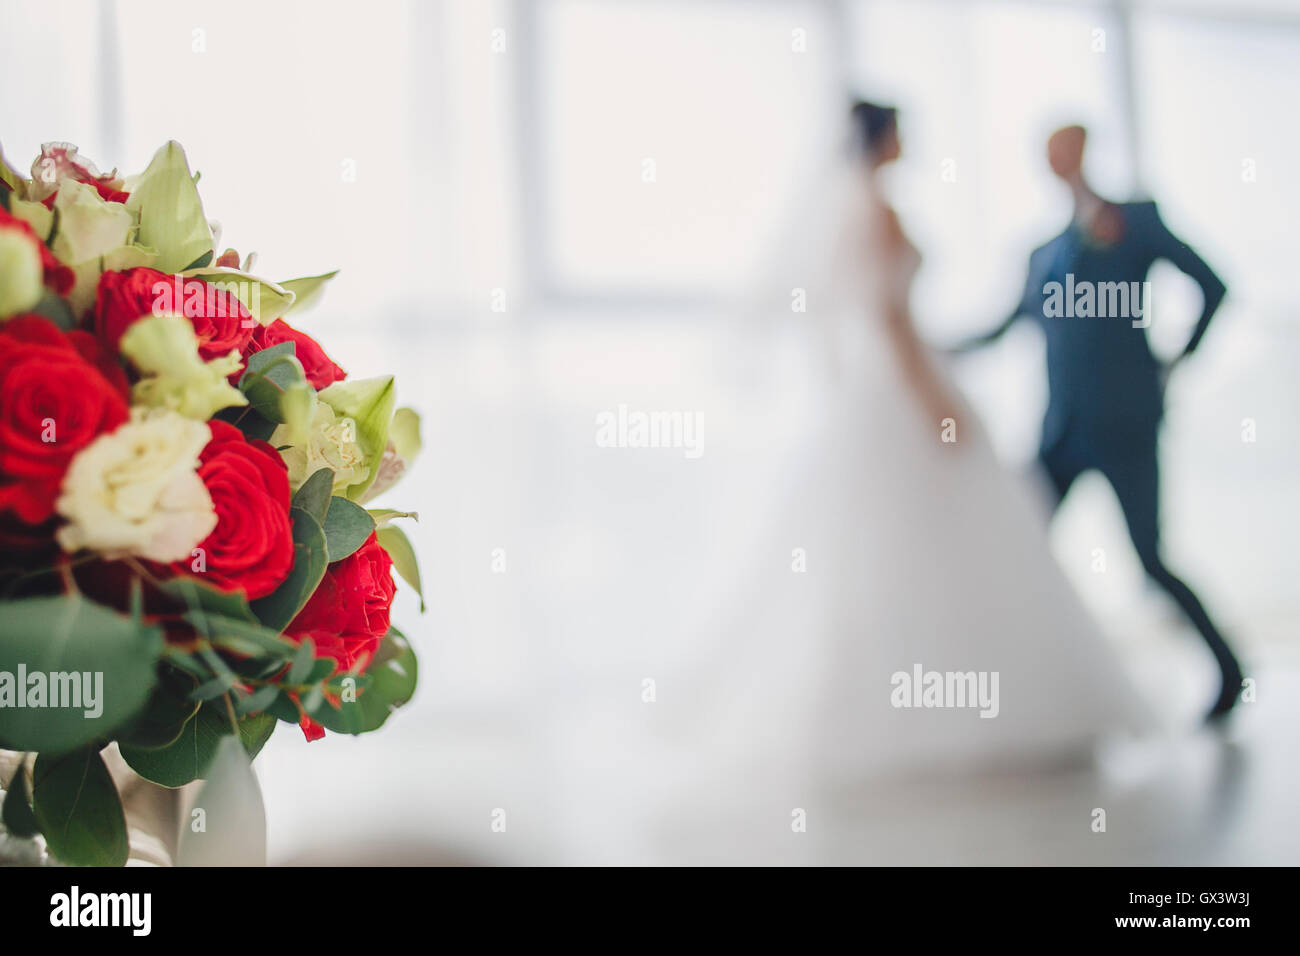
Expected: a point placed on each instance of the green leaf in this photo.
(252, 640)
(307, 291)
(347, 526)
(277, 389)
(264, 357)
(323, 668)
(393, 675)
(283, 708)
(394, 540)
(71, 636)
(314, 495)
(171, 219)
(252, 424)
(164, 716)
(262, 668)
(302, 662)
(16, 814)
(369, 403)
(202, 598)
(188, 663)
(310, 559)
(258, 701)
(213, 688)
(217, 664)
(55, 308)
(187, 757)
(78, 809)
(200, 262)
(255, 731)
(190, 756)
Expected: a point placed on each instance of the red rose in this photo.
(251, 548)
(53, 402)
(347, 616)
(321, 370)
(220, 320)
(56, 275)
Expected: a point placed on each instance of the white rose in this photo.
(136, 490)
(331, 443)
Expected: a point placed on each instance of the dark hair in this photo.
(872, 123)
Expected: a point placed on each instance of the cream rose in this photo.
(136, 490)
(331, 443)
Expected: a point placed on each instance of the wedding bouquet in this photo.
(185, 553)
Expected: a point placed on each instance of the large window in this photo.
(663, 131)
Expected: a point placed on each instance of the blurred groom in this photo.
(1086, 291)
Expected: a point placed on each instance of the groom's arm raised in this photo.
(1168, 246)
(995, 333)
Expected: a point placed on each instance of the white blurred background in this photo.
(540, 210)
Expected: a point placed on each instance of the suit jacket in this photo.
(1102, 375)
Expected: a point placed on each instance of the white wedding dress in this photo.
(879, 549)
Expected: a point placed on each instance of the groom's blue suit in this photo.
(1103, 379)
(1106, 387)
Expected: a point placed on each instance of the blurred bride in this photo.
(896, 609)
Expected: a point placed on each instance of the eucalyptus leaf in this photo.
(347, 526)
(322, 668)
(190, 756)
(80, 814)
(210, 689)
(260, 359)
(242, 636)
(75, 646)
(258, 701)
(283, 708)
(314, 495)
(254, 425)
(277, 389)
(310, 559)
(187, 757)
(254, 731)
(201, 598)
(392, 678)
(200, 262)
(164, 716)
(302, 662)
(55, 308)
